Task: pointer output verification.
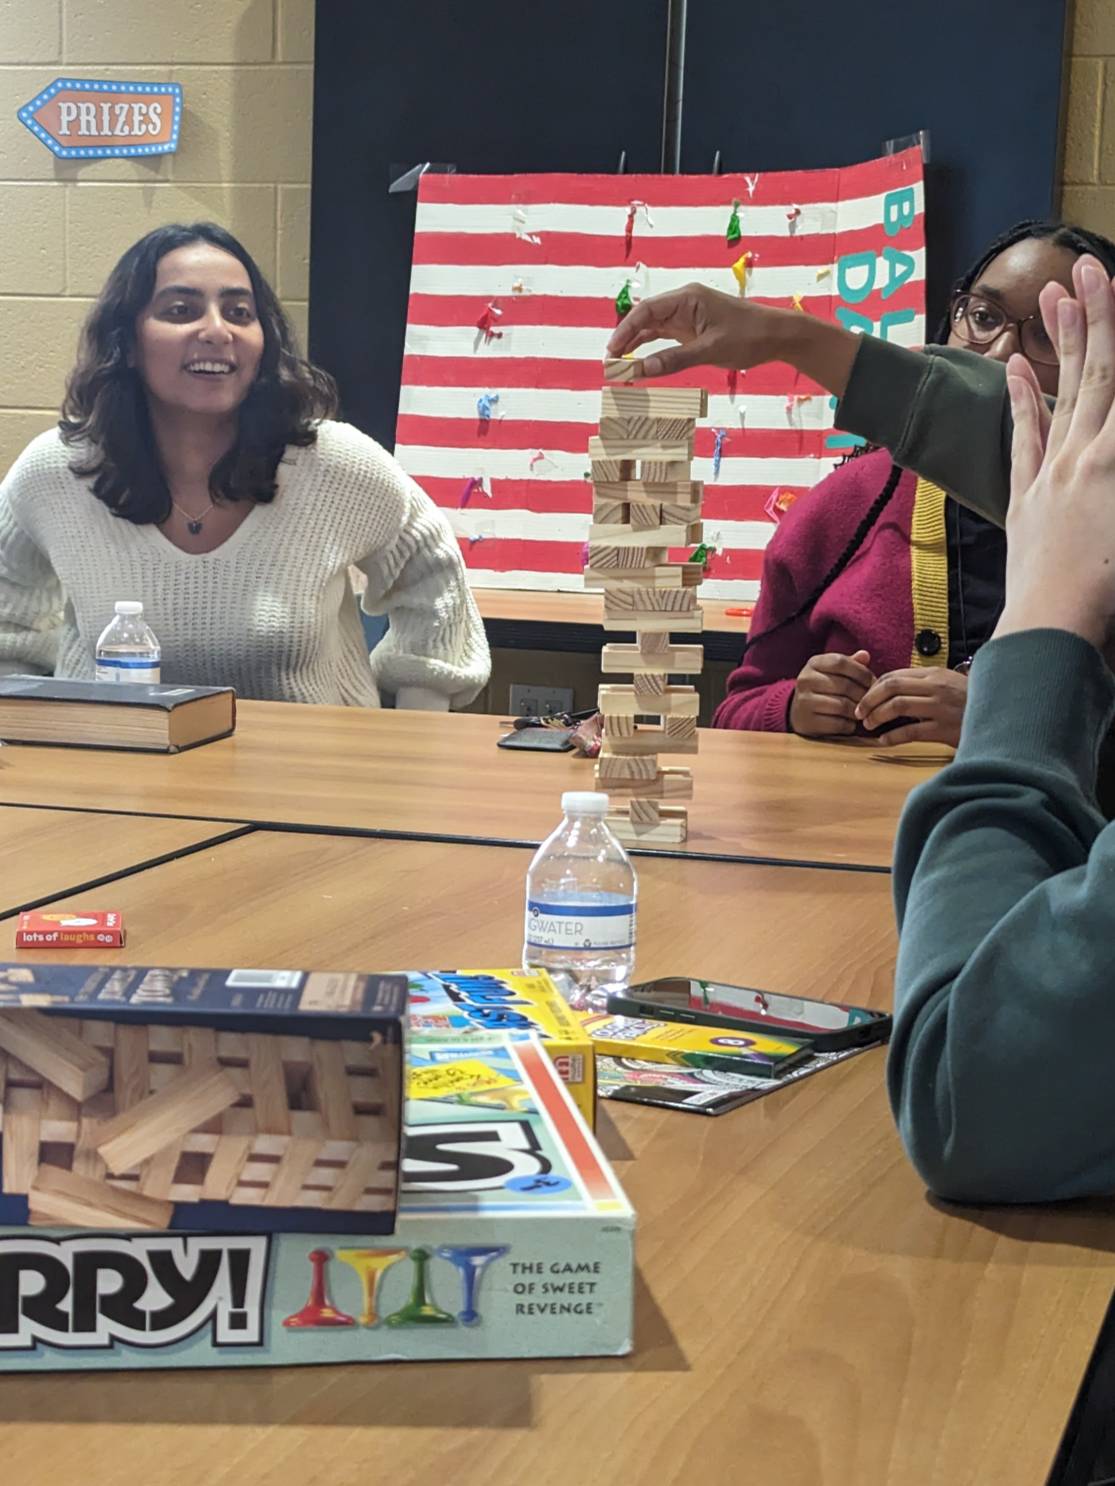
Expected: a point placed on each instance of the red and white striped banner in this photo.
(513, 297)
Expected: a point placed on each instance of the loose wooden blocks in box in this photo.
(644, 503)
(130, 1096)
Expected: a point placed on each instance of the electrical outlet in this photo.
(540, 701)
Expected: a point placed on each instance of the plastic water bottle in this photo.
(580, 916)
(128, 649)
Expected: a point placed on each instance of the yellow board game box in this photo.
(688, 1046)
(488, 1005)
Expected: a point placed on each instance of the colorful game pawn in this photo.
(472, 1260)
(636, 522)
(420, 1309)
(370, 1265)
(319, 1310)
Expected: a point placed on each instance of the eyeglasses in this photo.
(980, 322)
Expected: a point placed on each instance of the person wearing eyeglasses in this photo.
(877, 590)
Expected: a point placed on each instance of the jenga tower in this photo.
(636, 518)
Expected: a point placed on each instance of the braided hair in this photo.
(1078, 240)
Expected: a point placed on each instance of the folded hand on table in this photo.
(827, 690)
(931, 698)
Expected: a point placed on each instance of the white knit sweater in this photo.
(271, 612)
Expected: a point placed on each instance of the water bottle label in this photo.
(127, 668)
(573, 926)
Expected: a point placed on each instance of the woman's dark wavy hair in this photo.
(1062, 235)
(105, 416)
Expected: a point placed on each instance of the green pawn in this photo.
(702, 554)
(734, 233)
(624, 303)
(420, 1309)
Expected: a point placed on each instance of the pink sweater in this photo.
(893, 592)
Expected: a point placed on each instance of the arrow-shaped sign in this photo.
(83, 119)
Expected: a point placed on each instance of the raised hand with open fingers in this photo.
(1061, 520)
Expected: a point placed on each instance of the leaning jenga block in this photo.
(130, 1137)
(54, 1051)
(307, 1136)
(66, 1199)
(237, 1134)
(22, 1134)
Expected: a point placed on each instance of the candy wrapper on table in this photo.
(513, 1240)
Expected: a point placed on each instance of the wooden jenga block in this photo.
(198, 1045)
(619, 725)
(136, 1133)
(649, 620)
(640, 429)
(685, 660)
(628, 701)
(666, 784)
(654, 402)
(69, 1199)
(678, 451)
(645, 516)
(665, 575)
(329, 1089)
(60, 1116)
(650, 687)
(610, 512)
(268, 1085)
(671, 829)
(238, 1131)
(363, 1170)
(686, 515)
(643, 813)
(55, 1052)
(657, 471)
(652, 644)
(609, 471)
(650, 600)
(87, 1159)
(606, 556)
(611, 770)
(622, 368)
(296, 1164)
(672, 492)
(22, 1134)
(679, 728)
(130, 1068)
(636, 536)
(643, 740)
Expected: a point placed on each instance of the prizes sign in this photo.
(88, 120)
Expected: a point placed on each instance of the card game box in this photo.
(689, 1046)
(74, 930)
(513, 1240)
(159, 1098)
(481, 1004)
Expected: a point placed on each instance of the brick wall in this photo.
(246, 69)
(1088, 193)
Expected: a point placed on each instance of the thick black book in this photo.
(111, 714)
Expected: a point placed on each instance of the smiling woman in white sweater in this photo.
(196, 468)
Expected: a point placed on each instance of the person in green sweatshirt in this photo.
(1000, 1066)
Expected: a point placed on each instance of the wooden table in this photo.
(44, 852)
(762, 795)
(806, 1316)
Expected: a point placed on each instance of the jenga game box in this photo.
(154, 1099)
(479, 1005)
(513, 1239)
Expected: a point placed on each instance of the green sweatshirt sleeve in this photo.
(1002, 1065)
(941, 412)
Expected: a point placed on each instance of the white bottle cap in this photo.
(128, 606)
(584, 802)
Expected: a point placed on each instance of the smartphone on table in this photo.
(828, 1026)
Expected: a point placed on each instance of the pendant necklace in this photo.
(193, 523)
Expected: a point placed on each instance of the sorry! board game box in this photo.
(513, 1240)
